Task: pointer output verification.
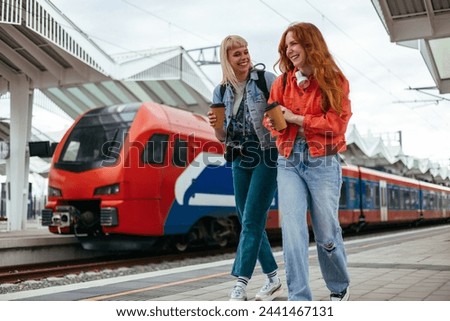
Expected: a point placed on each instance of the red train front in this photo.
(115, 172)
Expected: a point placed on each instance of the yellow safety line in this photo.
(109, 296)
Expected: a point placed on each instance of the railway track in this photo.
(18, 274)
(21, 273)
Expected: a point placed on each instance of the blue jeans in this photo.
(254, 180)
(307, 183)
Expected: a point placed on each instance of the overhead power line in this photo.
(421, 90)
(277, 12)
(165, 20)
(356, 42)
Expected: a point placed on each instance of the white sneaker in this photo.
(238, 294)
(343, 296)
(269, 291)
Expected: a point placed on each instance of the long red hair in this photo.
(325, 70)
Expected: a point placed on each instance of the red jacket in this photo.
(324, 132)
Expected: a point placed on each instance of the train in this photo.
(142, 176)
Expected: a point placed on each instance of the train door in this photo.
(383, 201)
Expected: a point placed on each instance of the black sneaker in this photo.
(343, 296)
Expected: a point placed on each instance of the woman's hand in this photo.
(219, 132)
(268, 122)
(212, 118)
(291, 117)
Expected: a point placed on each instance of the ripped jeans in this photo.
(307, 183)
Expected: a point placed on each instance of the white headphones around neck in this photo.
(302, 80)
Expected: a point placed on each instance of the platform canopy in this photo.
(41, 50)
(70, 74)
(38, 40)
(423, 25)
(165, 75)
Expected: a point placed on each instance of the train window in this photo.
(368, 190)
(376, 196)
(401, 198)
(369, 195)
(397, 198)
(432, 201)
(428, 201)
(407, 199)
(446, 205)
(180, 153)
(352, 191)
(424, 200)
(90, 145)
(414, 199)
(70, 154)
(155, 150)
(96, 139)
(394, 197)
(371, 198)
(343, 197)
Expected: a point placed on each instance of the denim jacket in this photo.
(256, 102)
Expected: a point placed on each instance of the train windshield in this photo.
(96, 140)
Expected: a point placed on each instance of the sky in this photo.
(379, 72)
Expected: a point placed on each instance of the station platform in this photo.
(33, 236)
(412, 265)
(35, 244)
(33, 228)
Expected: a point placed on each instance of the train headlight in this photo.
(53, 191)
(107, 190)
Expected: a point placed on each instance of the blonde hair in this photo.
(230, 42)
(326, 71)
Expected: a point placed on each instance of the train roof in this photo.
(435, 187)
(180, 121)
(380, 174)
(392, 177)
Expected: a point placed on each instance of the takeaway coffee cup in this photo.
(275, 113)
(219, 111)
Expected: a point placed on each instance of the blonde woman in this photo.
(253, 163)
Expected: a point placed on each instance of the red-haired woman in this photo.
(314, 96)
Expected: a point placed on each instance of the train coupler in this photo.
(64, 216)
